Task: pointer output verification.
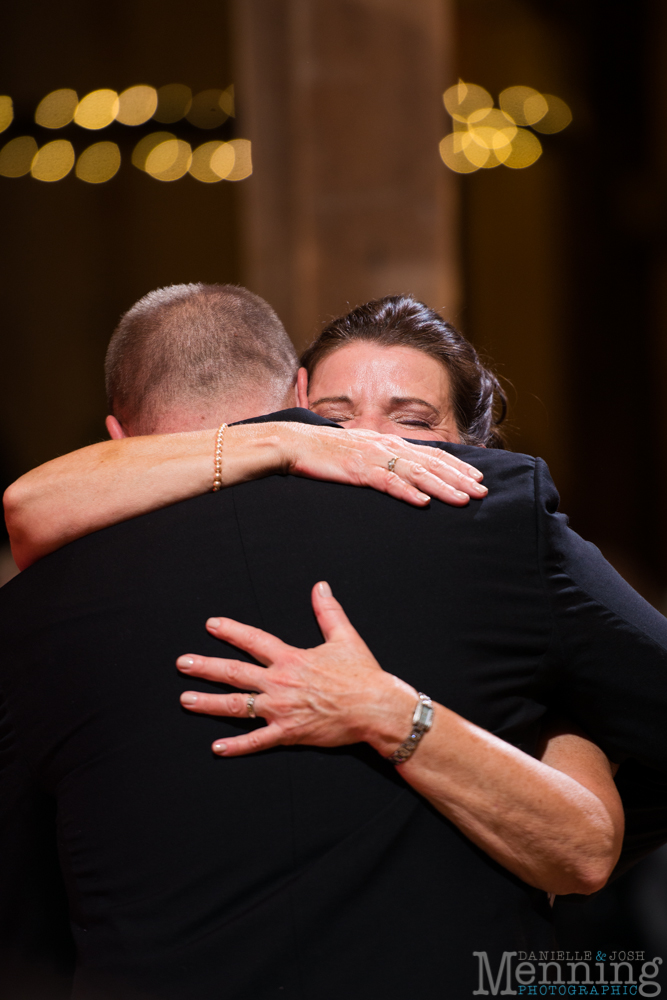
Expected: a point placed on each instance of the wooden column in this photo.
(349, 199)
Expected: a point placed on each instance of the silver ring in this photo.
(250, 704)
(392, 462)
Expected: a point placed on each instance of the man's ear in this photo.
(115, 430)
(302, 388)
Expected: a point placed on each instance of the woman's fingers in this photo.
(234, 672)
(235, 704)
(262, 645)
(259, 739)
(334, 624)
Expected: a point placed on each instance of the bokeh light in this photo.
(53, 161)
(557, 117)
(98, 163)
(453, 155)
(526, 149)
(145, 147)
(224, 160)
(525, 105)
(201, 168)
(227, 101)
(464, 99)
(242, 160)
(57, 109)
(170, 160)
(136, 105)
(97, 109)
(206, 110)
(17, 156)
(6, 112)
(173, 103)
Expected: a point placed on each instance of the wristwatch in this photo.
(422, 720)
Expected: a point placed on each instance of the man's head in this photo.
(188, 357)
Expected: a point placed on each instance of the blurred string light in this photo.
(6, 112)
(136, 105)
(162, 155)
(53, 161)
(486, 137)
(97, 109)
(98, 163)
(17, 156)
(57, 109)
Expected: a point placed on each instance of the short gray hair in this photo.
(188, 343)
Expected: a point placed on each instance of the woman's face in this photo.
(393, 390)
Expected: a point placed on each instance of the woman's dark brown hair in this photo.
(478, 401)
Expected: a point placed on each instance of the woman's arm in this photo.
(556, 823)
(112, 481)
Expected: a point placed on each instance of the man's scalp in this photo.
(188, 344)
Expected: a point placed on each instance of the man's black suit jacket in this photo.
(301, 872)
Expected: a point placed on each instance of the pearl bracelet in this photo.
(219, 440)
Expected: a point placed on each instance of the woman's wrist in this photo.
(390, 717)
(251, 451)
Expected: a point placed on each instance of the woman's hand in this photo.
(556, 823)
(385, 462)
(332, 695)
(112, 481)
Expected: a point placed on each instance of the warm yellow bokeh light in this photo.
(53, 161)
(242, 160)
(136, 105)
(526, 150)
(525, 105)
(98, 163)
(557, 117)
(145, 147)
(57, 109)
(201, 168)
(97, 109)
(170, 160)
(224, 161)
(453, 155)
(173, 103)
(227, 101)
(6, 112)
(17, 156)
(464, 99)
(494, 129)
(206, 110)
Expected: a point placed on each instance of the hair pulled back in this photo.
(478, 401)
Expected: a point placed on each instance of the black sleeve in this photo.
(610, 671)
(36, 945)
(610, 668)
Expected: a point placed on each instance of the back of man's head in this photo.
(190, 356)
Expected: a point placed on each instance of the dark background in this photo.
(556, 272)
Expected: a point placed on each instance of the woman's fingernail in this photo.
(324, 589)
(219, 747)
(188, 698)
(481, 490)
(185, 662)
(474, 473)
(423, 497)
(213, 623)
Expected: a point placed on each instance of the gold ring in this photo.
(250, 704)
(392, 462)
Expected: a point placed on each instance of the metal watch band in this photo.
(422, 720)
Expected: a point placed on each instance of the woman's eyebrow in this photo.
(401, 400)
(332, 399)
